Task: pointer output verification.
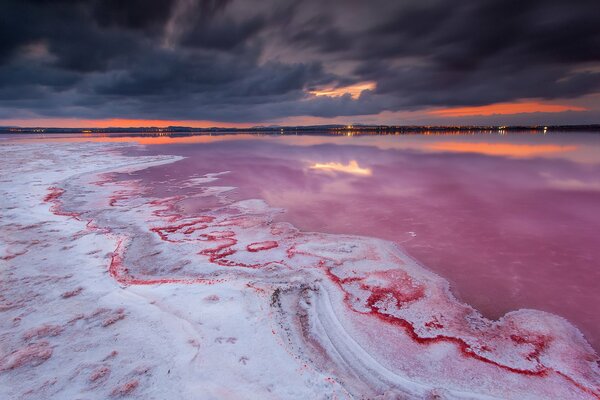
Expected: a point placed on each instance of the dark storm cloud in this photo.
(145, 15)
(256, 60)
(486, 51)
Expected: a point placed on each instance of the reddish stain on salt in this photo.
(117, 316)
(112, 354)
(125, 388)
(100, 374)
(213, 298)
(71, 293)
(31, 355)
(436, 324)
(14, 255)
(43, 331)
(54, 194)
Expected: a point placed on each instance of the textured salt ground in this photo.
(69, 330)
(108, 293)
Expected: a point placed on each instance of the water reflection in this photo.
(574, 146)
(351, 168)
(502, 149)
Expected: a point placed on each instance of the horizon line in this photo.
(341, 127)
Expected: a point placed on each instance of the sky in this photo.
(239, 63)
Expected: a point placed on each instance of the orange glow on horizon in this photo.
(353, 90)
(422, 116)
(117, 123)
(504, 109)
(501, 149)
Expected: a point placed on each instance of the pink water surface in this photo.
(511, 222)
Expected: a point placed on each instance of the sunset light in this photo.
(505, 108)
(353, 90)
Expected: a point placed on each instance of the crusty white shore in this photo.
(107, 293)
(69, 330)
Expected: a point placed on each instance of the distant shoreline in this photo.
(326, 129)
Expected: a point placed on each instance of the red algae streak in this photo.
(116, 261)
(54, 194)
(54, 198)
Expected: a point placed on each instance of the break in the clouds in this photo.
(260, 61)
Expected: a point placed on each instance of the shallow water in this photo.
(511, 221)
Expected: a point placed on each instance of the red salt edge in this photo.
(54, 198)
(595, 393)
(216, 255)
(221, 234)
(116, 260)
(219, 254)
(91, 226)
(55, 193)
(199, 223)
(169, 210)
(465, 349)
(117, 270)
(260, 246)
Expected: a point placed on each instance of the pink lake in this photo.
(511, 221)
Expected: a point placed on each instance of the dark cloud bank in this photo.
(252, 61)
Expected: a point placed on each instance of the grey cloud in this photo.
(254, 61)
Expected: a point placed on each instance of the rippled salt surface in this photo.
(353, 315)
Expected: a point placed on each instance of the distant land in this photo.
(327, 129)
